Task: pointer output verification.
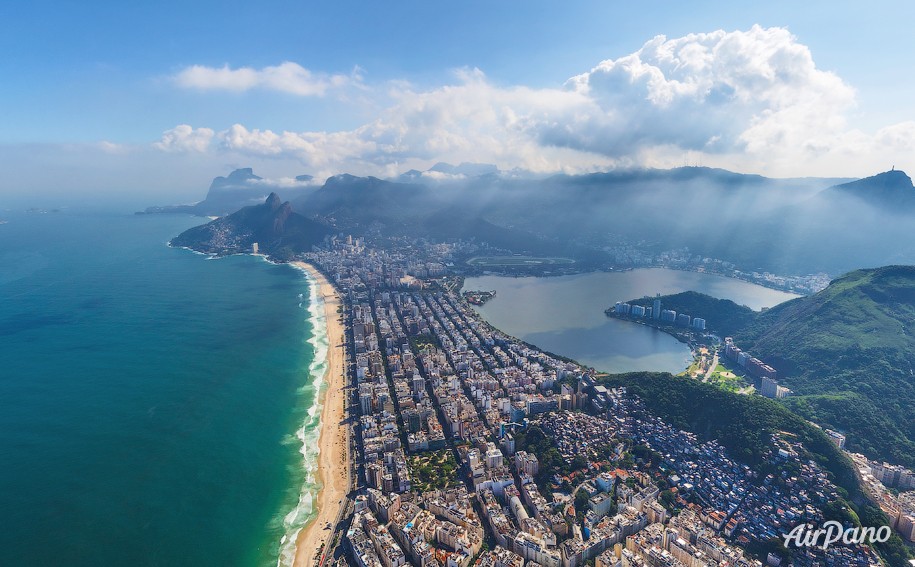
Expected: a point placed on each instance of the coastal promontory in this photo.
(273, 225)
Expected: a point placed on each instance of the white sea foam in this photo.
(207, 254)
(308, 435)
(310, 431)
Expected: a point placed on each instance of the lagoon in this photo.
(565, 314)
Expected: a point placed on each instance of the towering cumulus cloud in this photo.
(185, 138)
(756, 90)
(750, 99)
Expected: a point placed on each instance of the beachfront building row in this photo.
(655, 312)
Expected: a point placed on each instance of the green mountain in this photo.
(784, 226)
(744, 425)
(273, 225)
(892, 190)
(359, 204)
(721, 315)
(780, 225)
(354, 203)
(848, 352)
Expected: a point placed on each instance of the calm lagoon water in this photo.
(565, 314)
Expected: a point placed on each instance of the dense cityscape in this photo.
(552, 467)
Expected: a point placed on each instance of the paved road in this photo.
(711, 368)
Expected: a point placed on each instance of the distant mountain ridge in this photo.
(788, 226)
(239, 189)
(891, 189)
(721, 315)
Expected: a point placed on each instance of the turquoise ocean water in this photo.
(153, 402)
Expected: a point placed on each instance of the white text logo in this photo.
(833, 532)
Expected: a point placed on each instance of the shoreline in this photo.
(648, 324)
(766, 285)
(333, 454)
(746, 280)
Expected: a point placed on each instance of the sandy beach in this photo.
(333, 454)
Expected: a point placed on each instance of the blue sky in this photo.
(89, 88)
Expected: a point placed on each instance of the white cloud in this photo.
(441, 176)
(113, 148)
(471, 120)
(286, 77)
(316, 149)
(898, 136)
(754, 91)
(287, 182)
(746, 100)
(184, 138)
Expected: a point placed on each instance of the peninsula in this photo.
(818, 348)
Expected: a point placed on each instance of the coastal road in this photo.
(711, 368)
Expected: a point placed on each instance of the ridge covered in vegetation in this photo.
(847, 352)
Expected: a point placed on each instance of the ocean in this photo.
(565, 314)
(155, 404)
